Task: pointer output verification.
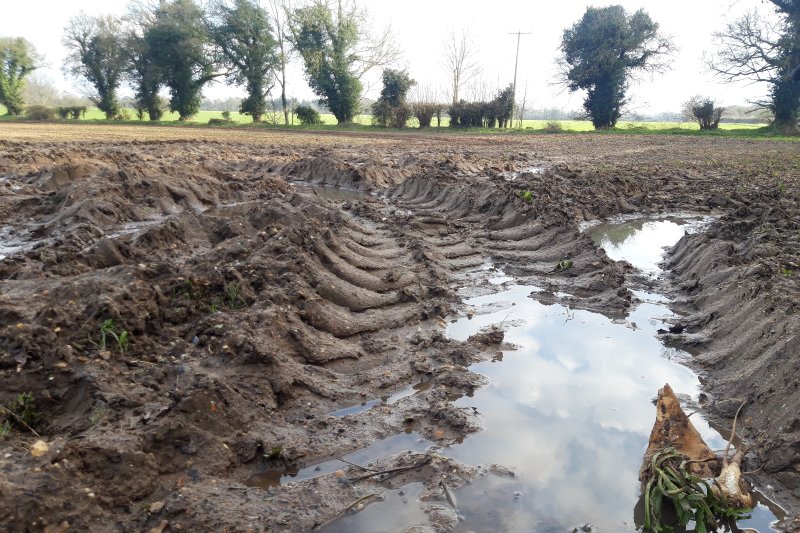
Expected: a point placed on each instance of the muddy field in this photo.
(192, 313)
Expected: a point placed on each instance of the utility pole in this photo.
(516, 64)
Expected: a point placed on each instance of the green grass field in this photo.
(363, 121)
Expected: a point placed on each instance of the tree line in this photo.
(177, 47)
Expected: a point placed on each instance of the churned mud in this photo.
(228, 331)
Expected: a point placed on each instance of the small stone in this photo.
(63, 527)
(156, 507)
(39, 448)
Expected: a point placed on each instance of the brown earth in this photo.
(266, 279)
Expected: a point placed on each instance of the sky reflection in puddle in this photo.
(571, 412)
(641, 242)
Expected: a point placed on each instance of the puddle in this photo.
(397, 396)
(409, 441)
(270, 478)
(513, 175)
(398, 509)
(571, 408)
(384, 400)
(570, 411)
(641, 242)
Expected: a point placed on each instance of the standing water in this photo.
(570, 410)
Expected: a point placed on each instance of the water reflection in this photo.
(408, 441)
(399, 509)
(642, 242)
(570, 411)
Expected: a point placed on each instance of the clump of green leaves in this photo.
(525, 195)
(669, 479)
(109, 329)
(21, 413)
(564, 264)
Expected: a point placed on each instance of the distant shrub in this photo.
(704, 111)
(226, 115)
(40, 112)
(483, 114)
(553, 127)
(307, 115)
(219, 121)
(425, 111)
(386, 115)
(123, 114)
(400, 116)
(74, 112)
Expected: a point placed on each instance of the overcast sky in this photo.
(421, 25)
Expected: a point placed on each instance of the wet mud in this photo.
(288, 361)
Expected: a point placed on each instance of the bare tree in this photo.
(278, 13)
(459, 60)
(749, 49)
(521, 108)
(480, 89)
(759, 49)
(40, 90)
(375, 50)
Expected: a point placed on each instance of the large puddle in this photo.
(570, 410)
(641, 242)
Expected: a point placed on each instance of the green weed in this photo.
(275, 453)
(21, 413)
(233, 292)
(525, 195)
(109, 329)
(670, 480)
(564, 264)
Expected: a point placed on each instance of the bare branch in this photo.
(459, 60)
(750, 48)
